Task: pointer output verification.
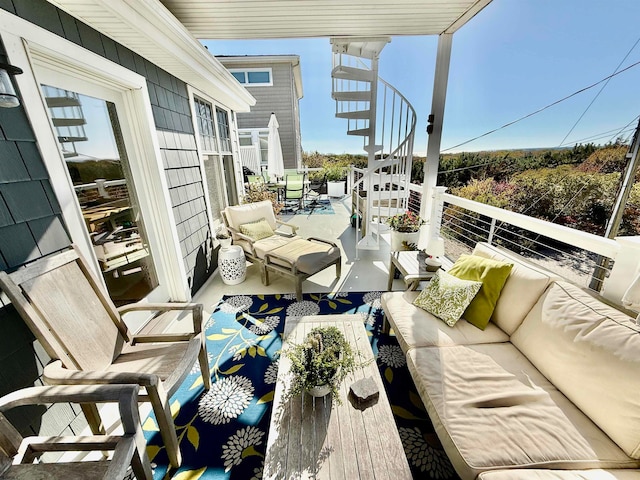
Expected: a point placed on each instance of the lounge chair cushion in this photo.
(591, 352)
(493, 409)
(416, 328)
(543, 474)
(309, 257)
(447, 296)
(493, 274)
(251, 212)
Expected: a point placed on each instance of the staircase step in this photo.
(360, 132)
(359, 96)
(356, 115)
(352, 73)
(373, 148)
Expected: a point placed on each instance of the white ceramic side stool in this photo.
(232, 265)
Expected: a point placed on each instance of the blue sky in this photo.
(513, 58)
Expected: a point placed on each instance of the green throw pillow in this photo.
(447, 297)
(493, 274)
(257, 230)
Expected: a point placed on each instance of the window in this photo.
(223, 130)
(206, 127)
(253, 76)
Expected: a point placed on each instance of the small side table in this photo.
(411, 266)
(232, 265)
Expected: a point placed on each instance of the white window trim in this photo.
(246, 84)
(27, 45)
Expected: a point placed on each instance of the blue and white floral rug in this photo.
(223, 432)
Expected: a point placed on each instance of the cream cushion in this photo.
(591, 352)
(521, 290)
(492, 409)
(251, 212)
(539, 474)
(416, 328)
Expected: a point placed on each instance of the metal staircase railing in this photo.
(386, 120)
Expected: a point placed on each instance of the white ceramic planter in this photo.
(397, 239)
(336, 189)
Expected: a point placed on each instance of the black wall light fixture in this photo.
(8, 97)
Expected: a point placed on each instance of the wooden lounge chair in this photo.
(17, 454)
(74, 319)
(254, 227)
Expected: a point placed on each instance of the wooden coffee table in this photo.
(317, 438)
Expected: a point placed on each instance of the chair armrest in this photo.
(196, 309)
(162, 337)
(69, 393)
(56, 374)
(320, 240)
(294, 228)
(241, 236)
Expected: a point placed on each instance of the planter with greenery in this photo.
(320, 363)
(405, 230)
(222, 235)
(336, 179)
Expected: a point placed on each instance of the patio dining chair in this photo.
(22, 457)
(315, 191)
(294, 191)
(255, 179)
(66, 308)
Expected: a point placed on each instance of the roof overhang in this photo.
(294, 60)
(253, 19)
(150, 30)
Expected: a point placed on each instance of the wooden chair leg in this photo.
(298, 289)
(204, 366)
(92, 415)
(162, 410)
(140, 462)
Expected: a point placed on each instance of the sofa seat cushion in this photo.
(522, 289)
(415, 327)
(591, 352)
(493, 409)
(543, 474)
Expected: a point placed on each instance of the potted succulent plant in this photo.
(405, 230)
(320, 363)
(222, 235)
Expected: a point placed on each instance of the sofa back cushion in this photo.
(591, 353)
(522, 289)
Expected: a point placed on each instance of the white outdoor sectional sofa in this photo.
(549, 390)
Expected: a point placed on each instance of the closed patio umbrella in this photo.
(275, 162)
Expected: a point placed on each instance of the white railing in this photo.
(250, 158)
(584, 258)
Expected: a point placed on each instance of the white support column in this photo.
(437, 110)
(625, 269)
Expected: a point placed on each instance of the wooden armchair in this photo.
(17, 454)
(74, 319)
(285, 253)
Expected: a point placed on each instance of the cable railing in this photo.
(570, 253)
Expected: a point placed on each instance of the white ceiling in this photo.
(251, 19)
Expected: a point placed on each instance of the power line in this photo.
(544, 108)
(599, 92)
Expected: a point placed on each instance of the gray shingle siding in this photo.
(31, 224)
(279, 98)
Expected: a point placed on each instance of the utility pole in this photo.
(624, 190)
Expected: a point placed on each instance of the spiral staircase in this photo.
(386, 121)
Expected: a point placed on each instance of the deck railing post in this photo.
(492, 230)
(437, 206)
